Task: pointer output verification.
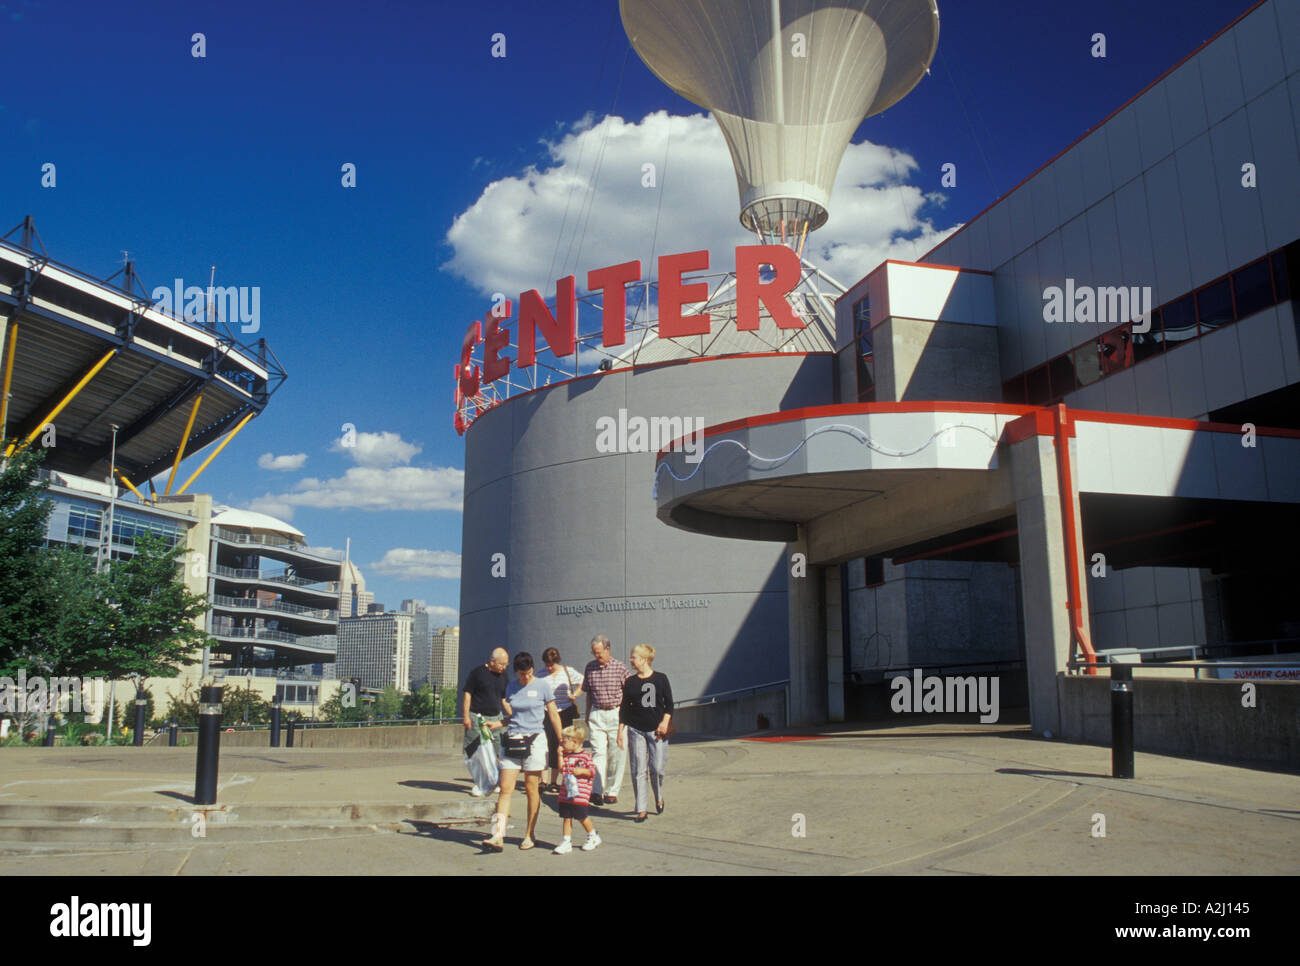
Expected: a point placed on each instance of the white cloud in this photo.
(442, 616)
(371, 488)
(377, 449)
(286, 463)
(526, 230)
(407, 564)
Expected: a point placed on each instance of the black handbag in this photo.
(517, 747)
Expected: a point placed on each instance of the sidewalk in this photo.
(933, 799)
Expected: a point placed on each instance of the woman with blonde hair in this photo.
(643, 721)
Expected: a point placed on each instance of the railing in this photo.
(1197, 660)
(261, 603)
(321, 642)
(279, 578)
(706, 699)
(273, 540)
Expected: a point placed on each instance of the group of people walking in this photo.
(628, 710)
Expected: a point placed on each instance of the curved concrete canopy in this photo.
(878, 478)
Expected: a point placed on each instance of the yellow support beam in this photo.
(180, 450)
(72, 394)
(213, 455)
(123, 478)
(9, 375)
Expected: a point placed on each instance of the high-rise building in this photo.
(354, 599)
(444, 660)
(376, 650)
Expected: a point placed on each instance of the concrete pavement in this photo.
(914, 799)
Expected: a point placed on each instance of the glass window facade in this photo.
(1238, 295)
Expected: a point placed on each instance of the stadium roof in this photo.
(91, 354)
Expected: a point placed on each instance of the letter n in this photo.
(558, 330)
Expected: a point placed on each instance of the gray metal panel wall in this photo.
(578, 526)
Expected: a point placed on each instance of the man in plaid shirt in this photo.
(602, 682)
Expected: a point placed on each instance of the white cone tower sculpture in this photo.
(788, 81)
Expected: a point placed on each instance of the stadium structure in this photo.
(117, 391)
(1067, 436)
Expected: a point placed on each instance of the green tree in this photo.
(24, 605)
(235, 702)
(244, 706)
(449, 703)
(419, 704)
(335, 710)
(389, 703)
(143, 624)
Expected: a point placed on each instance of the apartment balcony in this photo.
(290, 648)
(280, 583)
(276, 606)
(275, 542)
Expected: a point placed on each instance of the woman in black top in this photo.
(643, 720)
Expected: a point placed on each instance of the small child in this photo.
(575, 793)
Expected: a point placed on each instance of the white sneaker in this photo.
(477, 792)
(564, 848)
(593, 840)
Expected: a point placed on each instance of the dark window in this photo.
(1281, 284)
(1115, 350)
(1013, 390)
(1252, 288)
(866, 358)
(874, 568)
(1152, 342)
(1037, 389)
(1087, 362)
(1061, 371)
(1179, 320)
(1214, 306)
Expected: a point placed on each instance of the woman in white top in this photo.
(567, 684)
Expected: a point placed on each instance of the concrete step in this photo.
(117, 823)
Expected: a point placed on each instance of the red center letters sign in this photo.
(559, 330)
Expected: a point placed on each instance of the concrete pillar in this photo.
(808, 659)
(834, 623)
(1043, 574)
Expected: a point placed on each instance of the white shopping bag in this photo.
(483, 766)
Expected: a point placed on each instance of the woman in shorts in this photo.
(566, 682)
(528, 704)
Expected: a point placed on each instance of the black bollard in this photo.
(140, 702)
(275, 722)
(49, 732)
(171, 733)
(205, 775)
(1121, 721)
(289, 738)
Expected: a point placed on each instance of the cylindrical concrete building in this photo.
(584, 553)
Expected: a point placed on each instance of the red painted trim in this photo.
(1156, 533)
(1073, 538)
(956, 546)
(646, 367)
(1038, 423)
(1165, 422)
(1090, 130)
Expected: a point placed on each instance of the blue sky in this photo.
(465, 172)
